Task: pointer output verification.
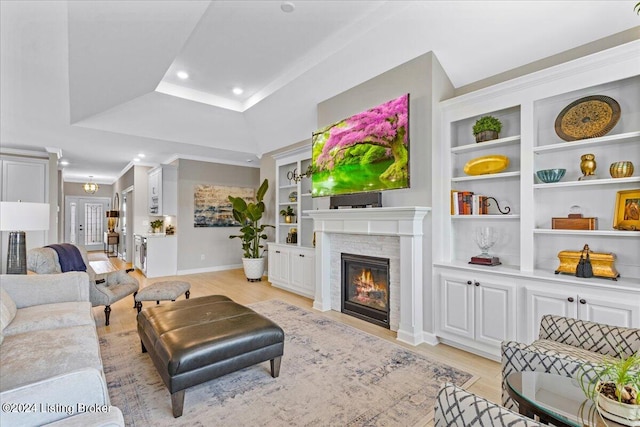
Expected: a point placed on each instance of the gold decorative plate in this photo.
(484, 165)
(587, 117)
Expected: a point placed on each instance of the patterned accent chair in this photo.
(104, 289)
(564, 344)
(456, 407)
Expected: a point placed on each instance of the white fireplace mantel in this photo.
(404, 222)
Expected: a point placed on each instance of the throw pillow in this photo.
(7, 309)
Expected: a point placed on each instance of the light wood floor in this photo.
(233, 284)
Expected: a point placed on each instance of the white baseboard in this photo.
(209, 269)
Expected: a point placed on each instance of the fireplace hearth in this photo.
(365, 288)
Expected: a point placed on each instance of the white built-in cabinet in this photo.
(292, 265)
(527, 245)
(477, 310)
(163, 190)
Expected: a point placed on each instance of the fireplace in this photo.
(365, 288)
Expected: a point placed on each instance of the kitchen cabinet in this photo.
(163, 190)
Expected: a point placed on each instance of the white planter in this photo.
(622, 413)
(253, 268)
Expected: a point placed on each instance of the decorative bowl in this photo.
(492, 163)
(621, 169)
(550, 175)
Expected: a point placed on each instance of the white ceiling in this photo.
(97, 81)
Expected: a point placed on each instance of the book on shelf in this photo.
(468, 203)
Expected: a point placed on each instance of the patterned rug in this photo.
(331, 375)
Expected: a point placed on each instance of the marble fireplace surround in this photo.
(395, 233)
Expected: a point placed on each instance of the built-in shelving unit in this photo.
(525, 286)
(292, 264)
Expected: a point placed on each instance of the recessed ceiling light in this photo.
(237, 90)
(136, 159)
(182, 75)
(141, 155)
(64, 163)
(287, 7)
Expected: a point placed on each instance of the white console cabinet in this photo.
(163, 191)
(292, 268)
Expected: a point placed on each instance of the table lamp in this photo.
(18, 217)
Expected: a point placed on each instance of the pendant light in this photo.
(90, 187)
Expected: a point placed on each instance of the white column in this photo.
(322, 300)
(411, 322)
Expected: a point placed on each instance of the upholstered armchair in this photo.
(457, 407)
(104, 289)
(564, 344)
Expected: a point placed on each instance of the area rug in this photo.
(331, 375)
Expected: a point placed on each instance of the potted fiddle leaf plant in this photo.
(487, 128)
(288, 214)
(252, 232)
(614, 385)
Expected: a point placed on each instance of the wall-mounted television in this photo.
(365, 152)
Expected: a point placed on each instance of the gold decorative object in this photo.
(626, 215)
(621, 169)
(587, 166)
(484, 165)
(587, 117)
(601, 263)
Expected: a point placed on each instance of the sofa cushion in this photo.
(7, 312)
(51, 316)
(38, 355)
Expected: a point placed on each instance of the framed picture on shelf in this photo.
(627, 212)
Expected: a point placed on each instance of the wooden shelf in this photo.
(611, 233)
(585, 143)
(603, 181)
(501, 142)
(489, 216)
(487, 176)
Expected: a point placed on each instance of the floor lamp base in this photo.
(17, 253)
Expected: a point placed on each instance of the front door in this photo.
(85, 221)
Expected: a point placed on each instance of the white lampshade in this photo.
(23, 216)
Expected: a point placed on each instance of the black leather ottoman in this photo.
(196, 340)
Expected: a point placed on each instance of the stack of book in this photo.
(468, 203)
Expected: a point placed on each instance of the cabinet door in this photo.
(155, 192)
(280, 265)
(544, 300)
(303, 271)
(495, 318)
(456, 306)
(609, 311)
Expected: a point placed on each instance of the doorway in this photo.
(85, 221)
(127, 218)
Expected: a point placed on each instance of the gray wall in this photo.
(213, 242)
(424, 79)
(75, 189)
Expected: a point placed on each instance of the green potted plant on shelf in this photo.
(156, 225)
(252, 232)
(288, 214)
(614, 385)
(487, 128)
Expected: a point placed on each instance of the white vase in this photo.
(253, 268)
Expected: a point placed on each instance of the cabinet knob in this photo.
(583, 301)
(302, 255)
(277, 252)
(468, 282)
(476, 283)
(570, 299)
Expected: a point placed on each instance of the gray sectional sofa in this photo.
(51, 369)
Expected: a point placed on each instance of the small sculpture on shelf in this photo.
(588, 167)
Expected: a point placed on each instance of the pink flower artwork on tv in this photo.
(384, 126)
